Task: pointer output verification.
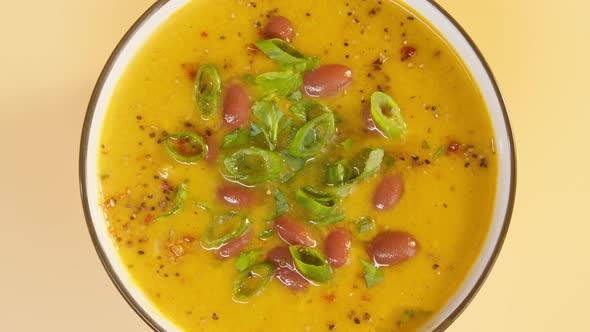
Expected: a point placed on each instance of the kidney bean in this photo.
(392, 247)
(234, 247)
(388, 193)
(281, 256)
(367, 117)
(285, 270)
(236, 106)
(327, 80)
(212, 150)
(290, 278)
(237, 196)
(293, 232)
(337, 247)
(279, 27)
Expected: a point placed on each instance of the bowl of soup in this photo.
(259, 165)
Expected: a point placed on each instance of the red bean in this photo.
(388, 192)
(290, 278)
(285, 270)
(279, 27)
(392, 247)
(337, 247)
(236, 106)
(293, 232)
(327, 80)
(281, 256)
(368, 122)
(237, 196)
(212, 150)
(234, 247)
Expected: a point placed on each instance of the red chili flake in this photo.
(252, 48)
(454, 146)
(204, 34)
(407, 52)
(366, 298)
(181, 146)
(191, 70)
(330, 298)
(149, 218)
(166, 186)
(188, 239)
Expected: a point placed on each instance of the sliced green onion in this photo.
(179, 199)
(238, 137)
(387, 115)
(253, 165)
(313, 136)
(311, 263)
(251, 281)
(438, 152)
(317, 202)
(207, 89)
(180, 146)
(362, 166)
(247, 259)
(365, 225)
(223, 229)
(285, 55)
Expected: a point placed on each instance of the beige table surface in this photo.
(52, 52)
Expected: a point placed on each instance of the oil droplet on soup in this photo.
(293, 165)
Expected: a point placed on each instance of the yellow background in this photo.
(52, 52)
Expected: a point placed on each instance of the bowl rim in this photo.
(120, 285)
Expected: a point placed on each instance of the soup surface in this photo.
(385, 211)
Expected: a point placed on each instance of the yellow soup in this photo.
(407, 206)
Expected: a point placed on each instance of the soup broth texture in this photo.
(297, 165)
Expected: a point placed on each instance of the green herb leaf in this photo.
(410, 314)
(347, 144)
(267, 233)
(180, 194)
(207, 89)
(372, 274)
(247, 259)
(251, 281)
(311, 263)
(425, 145)
(365, 225)
(438, 152)
(281, 204)
(251, 166)
(286, 56)
(279, 84)
(295, 96)
(186, 147)
(268, 116)
(387, 115)
(236, 138)
(372, 163)
(313, 136)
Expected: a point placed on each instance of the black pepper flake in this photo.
(467, 164)
(188, 124)
(214, 316)
(307, 14)
(222, 37)
(483, 163)
(346, 44)
(139, 117)
(435, 266)
(331, 327)
(410, 18)
(208, 132)
(141, 252)
(152, 135)
(357, 320)
(367, 316)
(427, 162)
(347, 56)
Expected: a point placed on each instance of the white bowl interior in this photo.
(437, 19)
